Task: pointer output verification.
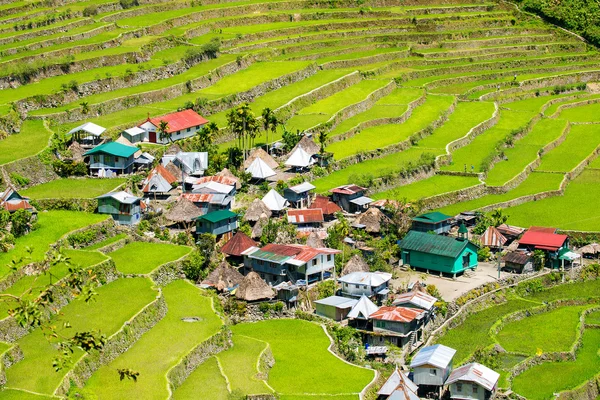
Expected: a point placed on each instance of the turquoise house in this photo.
(219, 223)
(125, 208)
(432, 222)
(111, 156)
(438, 253)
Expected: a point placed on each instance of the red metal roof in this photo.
(398, 314)
(493, 238)
(327, 206)
(348, 189)
(180, 120)
(225, 180)
(158, 170)
(298, 251)
(14, 205)
(542, 229)
(238, 244)
(198, 197)
(305, 216)
(543, 240)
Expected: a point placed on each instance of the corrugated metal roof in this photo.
(238, 244)
(90, 128)
(348, 189)
(361, 201)
(303, 187)
(225, 180)
(113, 149)
(433, 244)
(509, 230)
(338, 302)
(363, 308)
(517, 257)
(327, 206)
(121, 197)
(198, 197)
(437, 355)
(179, 120)
(305, 216)
(372, 279)
(398, 380)
(542, 239)
(493, 238)
(293, 253)
(432, 217)
(396, 314)
(476, 373)
(274, 201)
(417, 298)
(217, 216)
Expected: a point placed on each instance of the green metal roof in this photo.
(432, 217)
(114, 149)
(463, 228)
(268, 256)
(217, 216)
(433, 244)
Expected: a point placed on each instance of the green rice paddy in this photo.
(71, 188)
(145, 257)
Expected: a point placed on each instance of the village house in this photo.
(183, 214)
(398, 387)
(135, 134)
(181, 125)
(370, 284)
(305, 219)
(209, 202)
(159, 183)
(275, 202)
(399, 326)
(299, 159)
(230, 184)
(432, 222)
(492, 238)
(125, 208)
(431, 367)
(214, 187)
(518, 261)
(220, 223)
(299, 264)
(112, 156)
(299, 196)
(328, 207)
(472, 382)
(235, 248)
(336, 308)
(11, 201)
(224, 278)
(418, 300)
(438, 253)
(259, 170)
(87, 135)
(351, 198)
(189, 163)
(547, 240)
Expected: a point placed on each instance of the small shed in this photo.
(259, 153)
(432, 222)
(220, 223)
(257, 209)
(300, 195)
(492, 238)
(518, 261)
(254, 288)
(183, 212)
(472, 382)
(300, 159)
(260, 170)
(432, 365)
(335, 307)
(135, 134)
(87, 134)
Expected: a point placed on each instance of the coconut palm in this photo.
(85, 107)
(270, 122)
(163, 131)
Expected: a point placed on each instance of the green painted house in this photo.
(220, 223)
(432, 222)
(443, 254)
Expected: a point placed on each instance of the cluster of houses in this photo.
(432, 375)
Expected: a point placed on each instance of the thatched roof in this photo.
(173, 169)
(223, 277)
(256, 210)
(227, 173)
(253, 288)
(76, 151)
(258, 227)
(308, 145)
(173, 149)
(355, 264)
(372, 219)
(313, 240)
(260, 153)
(183, 211)
(592, 248)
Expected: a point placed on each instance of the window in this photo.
(328, 257)
(433, 372)
(314, 262)
(357, 286)
(107, 159)
(116, 159)
(189, 129)
(459, 387)
(475, 388)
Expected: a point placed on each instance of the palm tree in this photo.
(243, 124)
(163, 131)
(322, 140)
(270, 122)
(85, 107)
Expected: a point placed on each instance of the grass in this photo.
(581, 141)
(435, 185)
(73, 188)
(51, 226)
(38, 283)
(551, 331)
(540, 382)
(593, 318)
(12, 394)
(107, 241)
(239, 365)
(207, 378)
(303, 364)
(584, 113)
(123, 297)
(525, 151)
(144, 257)
(160, 348)
(385, 135)
(32, 140)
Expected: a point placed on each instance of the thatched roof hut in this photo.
(183, 211)
(253, 288)
(257, 209)
(228, 174)
(308, 145)
(223, 277)
(260, 153)
(314, 240)
(173, 169)
(355, 264)
(592, 248)
(258, 226)
(372, 219)
(173, 149)
(76, 151)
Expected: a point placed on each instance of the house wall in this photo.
(276, 273)
(332, 312)
(395, 326)
(441, 227)
(217, 228)
(137, 138)
(425, 375)
(467, 391)
(434, 262)
(182, 134)
(358, 290)
(124, 216)
(297, 200)
(98, 161)
(322, 263)
(458, 263)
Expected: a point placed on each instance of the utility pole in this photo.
(499, 254)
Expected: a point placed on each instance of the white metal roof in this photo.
(417, 298)
(337, 301)
(363, 308)
(437, 355)
(303, 187)
(300, 158)
(121, 197)
(274, 201)
(212, 187)
(397, 382)
(372, 279)
(88, 127)
(259, 169)
(477, 373)
(362, 201)
(136, 130)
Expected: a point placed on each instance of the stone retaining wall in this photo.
(573, 105)
(45, 32)
(8, 359)
(444, 199)
(31, 168)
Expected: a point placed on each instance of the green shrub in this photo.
(484, 254)
(82, 238)
(90, 10)
(19, 180)
(194, 267)
(69, 168)
(128, 3)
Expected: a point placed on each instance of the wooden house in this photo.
(432, 222)
(219, 223)
(472, 382)
(335, 307)
(181, 125)
(299, 196)
(125, 208)
(399, 326)
(351, 198)
(518, 261)
(432, 365)
(547, 240)
(438, 253)
(305, 219)
(370, 284)
(112, 156)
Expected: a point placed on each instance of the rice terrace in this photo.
(300, 199)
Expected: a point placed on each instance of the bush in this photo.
(19, 180)
(484, 254)
(194, 267)
(82, 238)
(128, 3)
(21, 222)
(69, 168)
(90, 10)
